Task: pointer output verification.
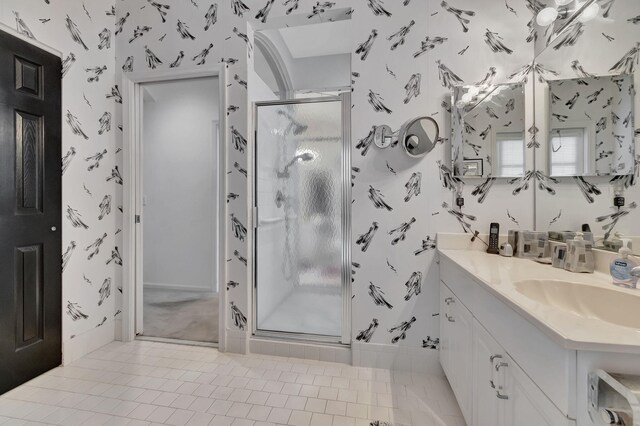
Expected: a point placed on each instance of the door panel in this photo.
(488, 409)
(462, 356)
(28, 179)
(30, 212)
(28, 281)
(300, 250)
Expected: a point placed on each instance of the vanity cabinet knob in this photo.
(450, 318)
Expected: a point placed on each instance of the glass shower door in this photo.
(301, 268)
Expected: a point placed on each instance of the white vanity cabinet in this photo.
(488, 409)
(500, 370)
(456, 347)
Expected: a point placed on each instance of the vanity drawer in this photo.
(549, 365)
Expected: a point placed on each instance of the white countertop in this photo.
(573, 331)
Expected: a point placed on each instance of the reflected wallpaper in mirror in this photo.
(591, 126)
(585, 124)
(487, 130)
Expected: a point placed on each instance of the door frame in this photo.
(345, 337)
(33, 42)
(132, 183)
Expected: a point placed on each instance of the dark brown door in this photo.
(30, 212)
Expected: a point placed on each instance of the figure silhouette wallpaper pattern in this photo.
(406, 57)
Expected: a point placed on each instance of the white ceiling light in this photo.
(589, 13)
(547, 16)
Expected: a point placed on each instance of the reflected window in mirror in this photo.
(488, 130)
(510, 154)
(568, 154)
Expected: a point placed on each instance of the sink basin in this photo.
(608, 305)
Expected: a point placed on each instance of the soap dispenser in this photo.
(579, 255)
(621, 269)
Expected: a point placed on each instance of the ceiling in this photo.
(328, 38)
(193, 88)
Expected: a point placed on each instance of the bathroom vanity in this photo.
(518, 338)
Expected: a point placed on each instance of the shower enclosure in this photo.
(302, 203)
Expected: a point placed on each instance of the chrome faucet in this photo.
(636, 272)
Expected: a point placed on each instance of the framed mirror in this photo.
(591, 126)
(586, 122)
(488, 130)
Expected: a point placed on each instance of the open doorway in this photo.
(173, 204)
(178, 188)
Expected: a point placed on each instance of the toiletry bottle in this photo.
(579, 255)
(559, 254)
(621, 269)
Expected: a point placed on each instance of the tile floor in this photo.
(147, 383)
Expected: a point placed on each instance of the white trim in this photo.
(413, 359)
(302, 350)
(31, 41)
(177, 341)
(87, 342)
(132, 153)
(179, 287)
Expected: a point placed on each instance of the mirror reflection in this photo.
(488, 130)
(591, 126)
(305, 60)
(585, 69)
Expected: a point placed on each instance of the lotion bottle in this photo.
(621, 269)
(579, 255)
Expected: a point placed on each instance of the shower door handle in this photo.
(254, 213)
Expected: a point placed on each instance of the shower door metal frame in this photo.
(345, 338)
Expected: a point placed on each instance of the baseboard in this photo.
(89, 341)
(313, 351)
(118, 329)
(178, 341)
(397, 357)
(235, 341)
(176, 287)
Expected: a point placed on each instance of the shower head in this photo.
(303, 158)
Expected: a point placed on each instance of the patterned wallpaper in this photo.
(83, 32)
(406, 56)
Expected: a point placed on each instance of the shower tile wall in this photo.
(92, 272)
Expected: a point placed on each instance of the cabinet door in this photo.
(461, 344)
(488, 408)
(527, 405)
(445, 330)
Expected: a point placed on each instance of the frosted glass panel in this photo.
(299, 238)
